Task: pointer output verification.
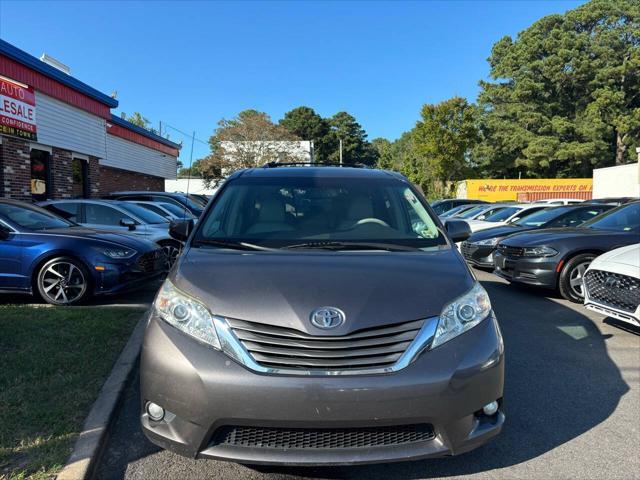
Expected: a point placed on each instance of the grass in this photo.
(53, 362)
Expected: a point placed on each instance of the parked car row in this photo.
(562, 247)
(66, 251)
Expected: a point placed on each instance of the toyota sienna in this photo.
(318, 316)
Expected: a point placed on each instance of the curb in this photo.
(92, 438)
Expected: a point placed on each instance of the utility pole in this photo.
(340, 151)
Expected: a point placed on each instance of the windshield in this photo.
(33, 218)
(455, 211)
(176, 210)
(502, 215)
(286, 211)
(147, 216)
(541, 217)
(622, 219)
(196, 201)
(472, 211)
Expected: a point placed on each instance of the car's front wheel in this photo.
(171, 251)
(63, 281)
(571, 283)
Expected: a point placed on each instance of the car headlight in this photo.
(489, 241)
(186, 314)
(118, 253)
(539, 252)
(462, 314)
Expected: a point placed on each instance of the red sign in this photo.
(17, 110)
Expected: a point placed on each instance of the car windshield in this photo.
(622, 219)
(147, 216)
(176, 210)
(541, 217)
(502, 215)
(33, 218)
(315, 212)
(471, 212)
(454, 211)
(196, 201)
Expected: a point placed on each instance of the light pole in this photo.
(340, 140)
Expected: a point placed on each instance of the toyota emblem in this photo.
(327, 317)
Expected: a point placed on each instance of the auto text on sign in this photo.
(17, 110)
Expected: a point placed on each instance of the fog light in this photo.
(490, 408)
(156, 412)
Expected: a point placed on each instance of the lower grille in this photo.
(326, 438)
(613, 289)
(151, 261)
(279, 347)
(465, 249)
(510, 251)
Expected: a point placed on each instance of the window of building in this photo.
(80, 175)
(40, 174)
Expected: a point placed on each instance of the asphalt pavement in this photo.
(572, 398)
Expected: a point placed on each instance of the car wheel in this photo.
(572, 277)
(63, 281)
(171, 251)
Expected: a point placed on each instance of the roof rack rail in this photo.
(321, 164)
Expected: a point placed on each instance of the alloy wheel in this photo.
(576, 278)
(63, 283)
(171, 253)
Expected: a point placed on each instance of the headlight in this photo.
(539, 252)
(119, 253)
(186, 314)
(462, 314)
(488, 241)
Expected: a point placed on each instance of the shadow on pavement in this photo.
(560, 383)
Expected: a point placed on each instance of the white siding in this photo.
(63, 126)
(134, 157)
(620, 181)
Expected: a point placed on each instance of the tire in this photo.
(172, 250)
(572, 276)
(63, 281)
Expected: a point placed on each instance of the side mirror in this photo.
(130, 224)
(180, 229)
(458, 230)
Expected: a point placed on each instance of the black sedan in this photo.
(478, 249)
(558, 258)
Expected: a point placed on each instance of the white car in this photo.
(506, 215)
(561, 201)
(612, 284)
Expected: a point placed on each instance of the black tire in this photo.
(171, 249)
(572, 276)
(63, 281)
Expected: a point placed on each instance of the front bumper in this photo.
(540, 272)
(204, 391)
(118, 277)
(478, 255)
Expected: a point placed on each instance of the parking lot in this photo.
(572, 399)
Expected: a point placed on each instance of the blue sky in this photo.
(191, 63)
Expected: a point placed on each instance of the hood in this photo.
(282, 289)
(629, 256)
(478, 225)
(104, 236)
(501, 231)
(546, 236)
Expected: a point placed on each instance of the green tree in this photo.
(442, 141)
(306, 124)
(248, 140)
(355, 148)
(565, 95)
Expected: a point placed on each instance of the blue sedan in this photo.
(65, 264)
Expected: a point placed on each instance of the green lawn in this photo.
(53, 362)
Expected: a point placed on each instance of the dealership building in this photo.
(59, 139)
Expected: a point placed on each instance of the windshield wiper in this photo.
(332, 245)
(233, 244)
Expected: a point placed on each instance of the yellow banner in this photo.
(525, 189)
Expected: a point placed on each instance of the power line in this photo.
(187, 135)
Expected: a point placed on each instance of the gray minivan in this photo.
(321, 316)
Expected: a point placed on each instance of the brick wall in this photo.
(113, 180)
(61, 174)
(94, 177)
(16, 169)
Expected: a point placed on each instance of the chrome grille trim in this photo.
(416, 335)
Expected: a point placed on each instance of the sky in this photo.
(189, 64)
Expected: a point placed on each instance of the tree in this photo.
(355, 148)
(248, 140)
(140, 120)
(194, 171)
(306, 124)
(565, 95)
(442, 141)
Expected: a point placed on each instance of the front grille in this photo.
(151, 261)
(280, 347)
(465, 249)
(325, 438)
(613, 289)
(510, 251)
